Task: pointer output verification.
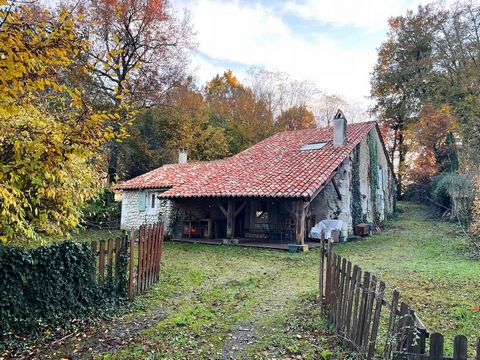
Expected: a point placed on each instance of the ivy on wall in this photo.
(372, 147)
(356, 207)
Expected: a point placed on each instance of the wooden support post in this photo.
(210, 228)
(231, 219)
(300, 223)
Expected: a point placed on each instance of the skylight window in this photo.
(313, 146)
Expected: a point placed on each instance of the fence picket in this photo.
(93, 248)
(162, 238)
(346, 299)
(101, 263)
(341, 294)
(355, 309)
(351, 292)
(436, 346)
(118, 247)
(460, 345)
(110, 260)
(363, 310)
(477, 353)
(131, 289)
(333, 305)
(368, 313)
(140, 259)
(391, 325)
(376, 320)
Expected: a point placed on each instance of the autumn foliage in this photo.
(433, 145)
(48, 132)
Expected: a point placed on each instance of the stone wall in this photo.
(133, 217)
(327, 205)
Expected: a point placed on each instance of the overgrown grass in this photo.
(215, 301)
(427, 260)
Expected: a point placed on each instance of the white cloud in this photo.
(235, 33)
(367, 14)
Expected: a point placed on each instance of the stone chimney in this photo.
(339, 129)
(182, 156)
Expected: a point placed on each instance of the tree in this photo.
(296, 118)
(139, 53)
(159, 132)
(457, 58)
(45, 173)
(402, 78)
(433, 145)
(246, 119)
(279, 92)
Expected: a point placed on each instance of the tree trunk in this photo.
(113, 161)
(401, 163)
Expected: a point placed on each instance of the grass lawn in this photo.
(227, 302)
(216, 302)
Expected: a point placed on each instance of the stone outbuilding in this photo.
(276, 191)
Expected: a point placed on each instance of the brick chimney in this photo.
(339, 129)
(182, 156)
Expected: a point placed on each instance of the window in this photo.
(314, 146)
(152, 202)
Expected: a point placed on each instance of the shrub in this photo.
(455, 193)
(475, 226)
(48, 287)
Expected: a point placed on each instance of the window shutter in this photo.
(142, 201)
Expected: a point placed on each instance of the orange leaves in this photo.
(433, 147)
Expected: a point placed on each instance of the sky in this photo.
(332, 43)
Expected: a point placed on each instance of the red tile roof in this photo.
(275, 167)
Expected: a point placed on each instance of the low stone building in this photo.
(277, 190)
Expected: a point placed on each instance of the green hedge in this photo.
(48, 287)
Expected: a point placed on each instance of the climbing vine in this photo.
(356, 194)
(372, 147)
(52, 287)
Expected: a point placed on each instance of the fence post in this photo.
(436, 346)
(131, 290)
(460, 348)
(320, 279)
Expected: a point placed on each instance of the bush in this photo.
(475, 227)
(455, 193)
(103, 212)
(47, 287)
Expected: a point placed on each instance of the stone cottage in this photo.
(276, 191)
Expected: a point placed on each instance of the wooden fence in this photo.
(142, 250)
(353, 303)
